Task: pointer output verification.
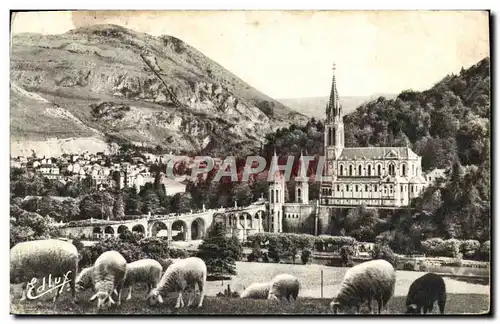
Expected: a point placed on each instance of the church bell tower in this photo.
(334, 129)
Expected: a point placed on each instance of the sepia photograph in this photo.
(250, 162)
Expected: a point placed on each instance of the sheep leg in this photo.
(200, 286)
(190, 300)
(180, 302)
(129, 296)
(23, 294)
(72, 283)
(441, 304)
(370, 306)
(379, 304)
(119, 289)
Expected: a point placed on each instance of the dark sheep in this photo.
(424, 292)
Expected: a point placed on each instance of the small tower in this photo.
(276, 197)
(334, 128)
(302, 183)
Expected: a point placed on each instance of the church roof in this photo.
(377, 153)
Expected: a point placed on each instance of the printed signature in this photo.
(48, 285)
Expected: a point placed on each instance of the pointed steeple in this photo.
(333, 108)
(303, 170)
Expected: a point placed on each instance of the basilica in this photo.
(381, 177)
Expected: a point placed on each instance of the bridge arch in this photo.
(179, 230)
(121, 229)
(247, 220)
(198, 229)
(139, 228)
(109, 230)
(259, 219)
(156, 227)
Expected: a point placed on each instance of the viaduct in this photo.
(241, 221)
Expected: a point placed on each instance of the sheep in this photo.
(256, 291)
(41, 258)
(84, 279)
(147, 271)
(423, 292)
(375, 279)
(179, 277)
(284, 286)
(108, 276)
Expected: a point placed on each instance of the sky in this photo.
(290, 54)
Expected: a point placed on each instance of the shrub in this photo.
(255, 255)
(439, 247)
(470, 248)
(409, 266)
(346, 253)
(383, 251)
(305, 256)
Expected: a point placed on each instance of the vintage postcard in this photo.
(250, 162)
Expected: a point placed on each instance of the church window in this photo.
(411, 188)
(347, 187)
(369, 170)
(341, 170)
(403, 170)
(299, 195)
(379, 170)
(356, 188)
(366, 187)
(272, 196)
(329, 136)
(350, 170)
(401, 188)
(277, 196)
(359, 170)
(338, 188)
(392, 170)
(376, 188)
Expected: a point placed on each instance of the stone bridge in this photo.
(240, 221)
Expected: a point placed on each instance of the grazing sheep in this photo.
(84, 280)
(179, 277)
(423, 292)
(375, 279)
(147, 271)
(257, 291)
(108, 276)
(284, 286)
(41, 258)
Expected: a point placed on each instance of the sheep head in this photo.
(155, 295)
(334, 306)
(412, 309)
(103, 299)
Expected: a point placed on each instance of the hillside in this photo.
(91, 84)
(315, 106)
(449, 126)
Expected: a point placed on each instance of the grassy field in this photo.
(463, 297)
(310, 279)
(457, 304)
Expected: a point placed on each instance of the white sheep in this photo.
(258, 290)
(375, 279)
(84, 279)
(146, 271)
(41, 258)
(284, 286)
(108, 276)
(182, 275)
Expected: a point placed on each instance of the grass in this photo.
(456, 304)
(463, 298)
(309, 277)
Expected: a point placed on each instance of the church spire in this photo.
(333, 108)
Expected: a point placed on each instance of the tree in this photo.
(346, 253)
(361, 223)
(220, 252)
(243, 194)
(118, 207)
(384, 252)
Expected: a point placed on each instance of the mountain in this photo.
(90, 86)
(315, 106)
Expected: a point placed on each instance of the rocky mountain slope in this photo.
(315, 106)
(91, 85)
